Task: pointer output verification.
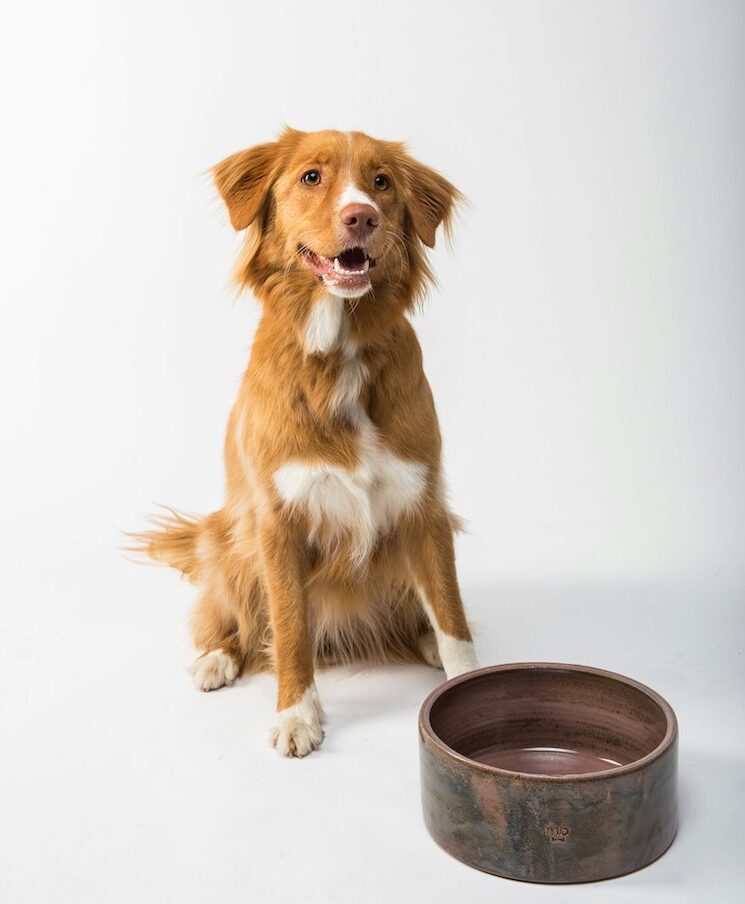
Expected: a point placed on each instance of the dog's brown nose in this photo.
(361, 220)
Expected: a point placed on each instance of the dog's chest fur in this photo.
(349, 507)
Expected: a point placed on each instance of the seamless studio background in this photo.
(584, 346)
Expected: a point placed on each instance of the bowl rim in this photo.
(669, 739)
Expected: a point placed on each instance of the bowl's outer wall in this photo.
(540, 830)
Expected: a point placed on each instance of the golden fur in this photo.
(320, 580)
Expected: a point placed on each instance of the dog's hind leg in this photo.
(228, 625)
(427, 645)
(215, 633)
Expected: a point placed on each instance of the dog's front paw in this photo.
(297, 729)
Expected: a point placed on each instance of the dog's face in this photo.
(342, 208)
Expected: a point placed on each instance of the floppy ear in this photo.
(244, 180)
(432, 199)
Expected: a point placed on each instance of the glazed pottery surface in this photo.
(548, 772)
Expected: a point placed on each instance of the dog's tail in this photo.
(173, 539)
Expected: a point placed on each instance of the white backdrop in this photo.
(585, 346)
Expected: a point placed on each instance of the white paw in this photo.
(458, 656)
(429, 651)
(214, 670)
(297, 729)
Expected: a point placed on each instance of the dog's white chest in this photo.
(349, 507)
(353, 505)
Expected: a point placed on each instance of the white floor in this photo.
(121, 783)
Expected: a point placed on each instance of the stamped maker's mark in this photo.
(557, 833)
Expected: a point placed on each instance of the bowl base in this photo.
(544, 760)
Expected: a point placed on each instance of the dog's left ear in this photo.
(431, 199)
(244, 180)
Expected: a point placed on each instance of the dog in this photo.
(335, 541)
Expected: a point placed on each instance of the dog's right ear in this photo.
(244, 180)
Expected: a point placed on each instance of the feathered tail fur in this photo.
(173, 540)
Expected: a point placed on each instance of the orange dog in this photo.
(335, 541)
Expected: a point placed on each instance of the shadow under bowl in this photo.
(548, 772)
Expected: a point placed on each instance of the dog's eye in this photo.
(381, 182)
(312, 177)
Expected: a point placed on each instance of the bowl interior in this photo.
(548, 720)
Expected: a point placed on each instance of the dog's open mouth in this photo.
(348, 270)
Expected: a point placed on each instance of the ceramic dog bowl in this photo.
(548, 772)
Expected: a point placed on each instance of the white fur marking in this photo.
(352, 379)
(362, 503)
(323, 327)
(341, 292)
(458, 656)
(353, 195)
(214, 670)
(297, 729)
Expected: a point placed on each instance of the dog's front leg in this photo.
(297, 727)
(433, 570)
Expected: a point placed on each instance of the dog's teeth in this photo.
(344, 271)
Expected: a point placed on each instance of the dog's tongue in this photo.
(353, 259)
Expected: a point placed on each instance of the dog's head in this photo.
(334, 208)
